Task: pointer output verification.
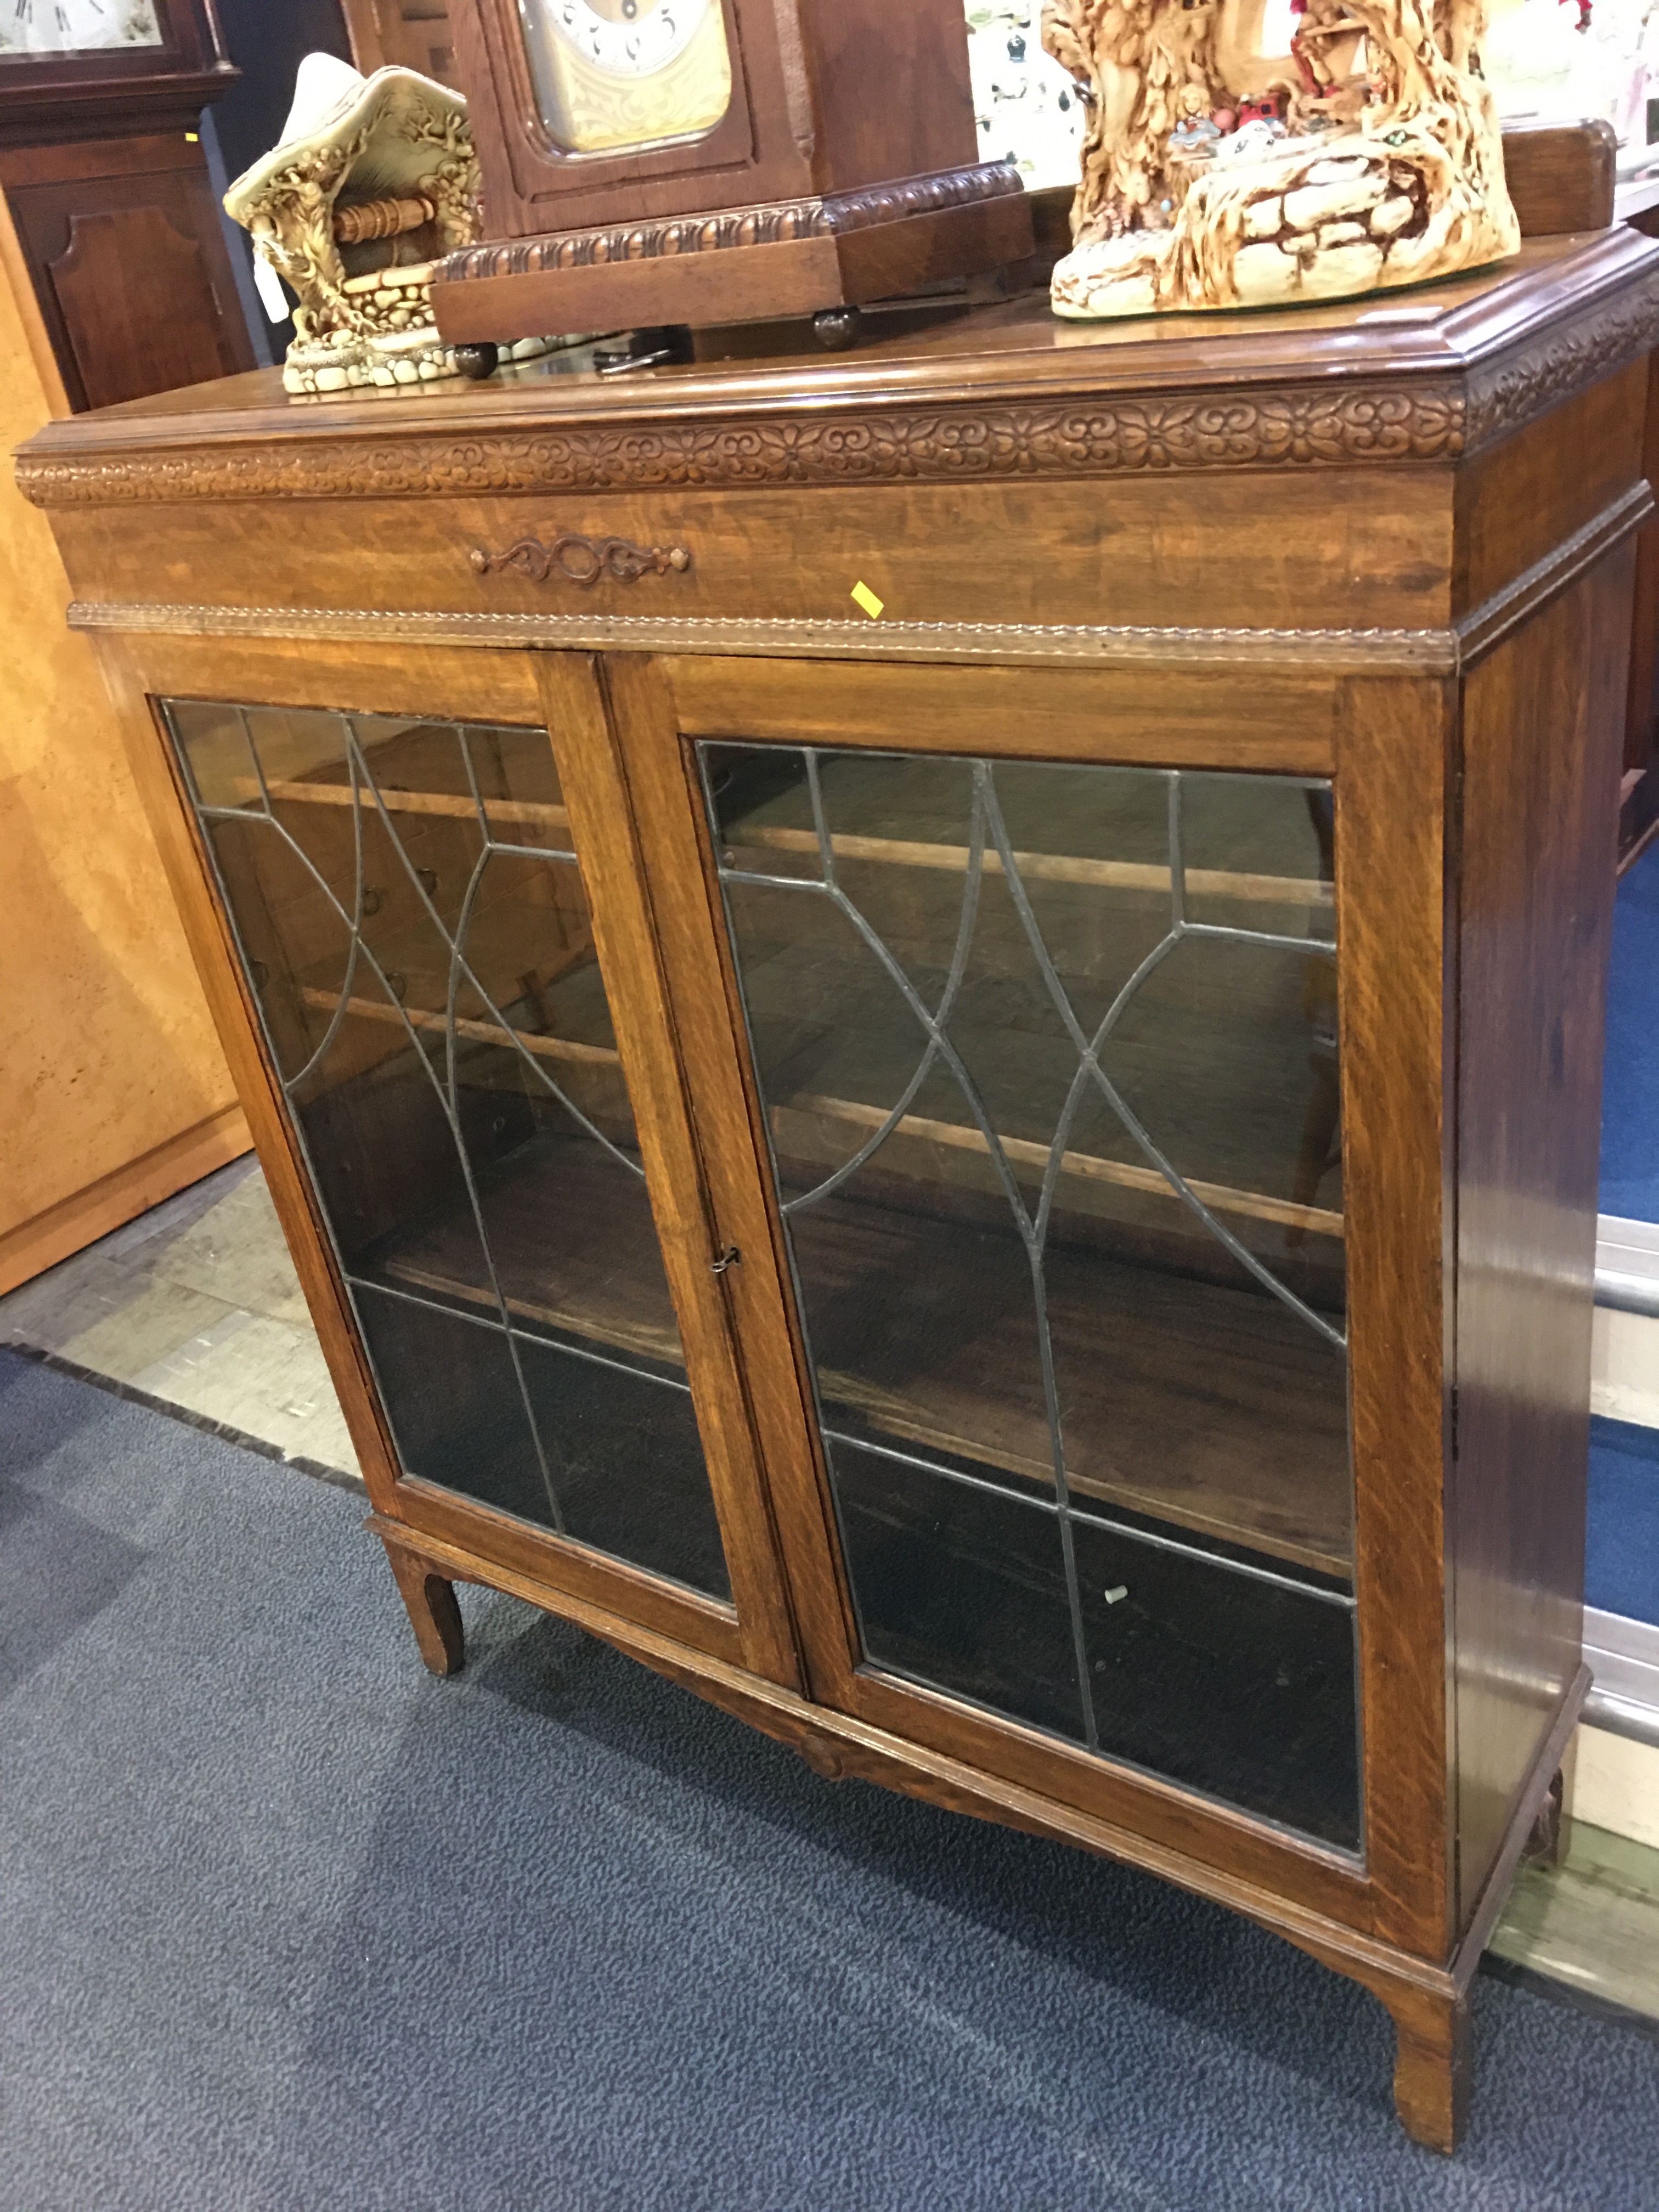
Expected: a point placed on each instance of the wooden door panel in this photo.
(137, 303)
(376, 1239)
(698, 1248)
(130, 268)
(738, 1137)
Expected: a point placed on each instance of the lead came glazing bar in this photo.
(431, 998)
(1075, 1069)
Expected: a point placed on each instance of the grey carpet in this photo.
(286, 1924)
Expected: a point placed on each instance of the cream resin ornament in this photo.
(1219, 174)
(375, 180)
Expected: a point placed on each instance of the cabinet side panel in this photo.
(1543, 731)
(1517, 503)
(1641, 786)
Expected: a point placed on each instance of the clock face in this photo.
(625, 74)
(76, 27)
(628, 38)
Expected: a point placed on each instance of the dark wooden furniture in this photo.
(1562, 176)
(826, 157)
(107, 188)
(998, 1176)
(402, 34)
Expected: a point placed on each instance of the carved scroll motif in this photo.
(572, 559)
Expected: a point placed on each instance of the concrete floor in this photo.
(195, 1307)
(1593, 1922)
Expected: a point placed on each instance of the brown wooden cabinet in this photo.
(999, 1176)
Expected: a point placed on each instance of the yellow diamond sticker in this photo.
(865, 597)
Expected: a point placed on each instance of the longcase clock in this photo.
(107, 191)
(717, 160)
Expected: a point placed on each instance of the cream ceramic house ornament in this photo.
(1217, 173)
(375, 180)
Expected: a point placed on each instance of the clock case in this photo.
(115, 225)
(47, 96)
(847, 170)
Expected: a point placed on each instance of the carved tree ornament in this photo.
(1218, 173)
(375, 180)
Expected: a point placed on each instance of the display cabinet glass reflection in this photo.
(1048, 1057)
(614, 74)
(414, 930)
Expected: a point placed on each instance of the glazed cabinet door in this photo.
(481, 1100)
(1039, 1052)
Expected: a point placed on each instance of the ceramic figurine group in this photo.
(1219, 173)
(374, 180)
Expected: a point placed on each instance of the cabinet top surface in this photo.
(1466, 361)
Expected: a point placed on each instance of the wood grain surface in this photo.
(1542, 742)
(130, 273)
(113, 1091)
(1423, 531)
(689, 1227)
(1398, 1170)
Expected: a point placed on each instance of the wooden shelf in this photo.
(1208, 1408)
(542, 1048)
(1051, 867)
(1220, 1197)
(534, 813)
(906, 853)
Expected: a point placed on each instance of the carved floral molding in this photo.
(1068, 439)
(1348, 424)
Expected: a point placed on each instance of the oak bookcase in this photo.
(999, 1178)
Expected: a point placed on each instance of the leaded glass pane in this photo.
(413, 924)
(1049, 1062)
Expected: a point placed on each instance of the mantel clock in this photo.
(717, 160)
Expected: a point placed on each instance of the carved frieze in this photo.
(1561, 362)
(1064, 438)
(1432, 417)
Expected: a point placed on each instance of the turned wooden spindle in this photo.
(355, 226)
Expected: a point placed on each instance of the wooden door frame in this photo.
(630, 723)
(461, 684)
(1385, 743)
